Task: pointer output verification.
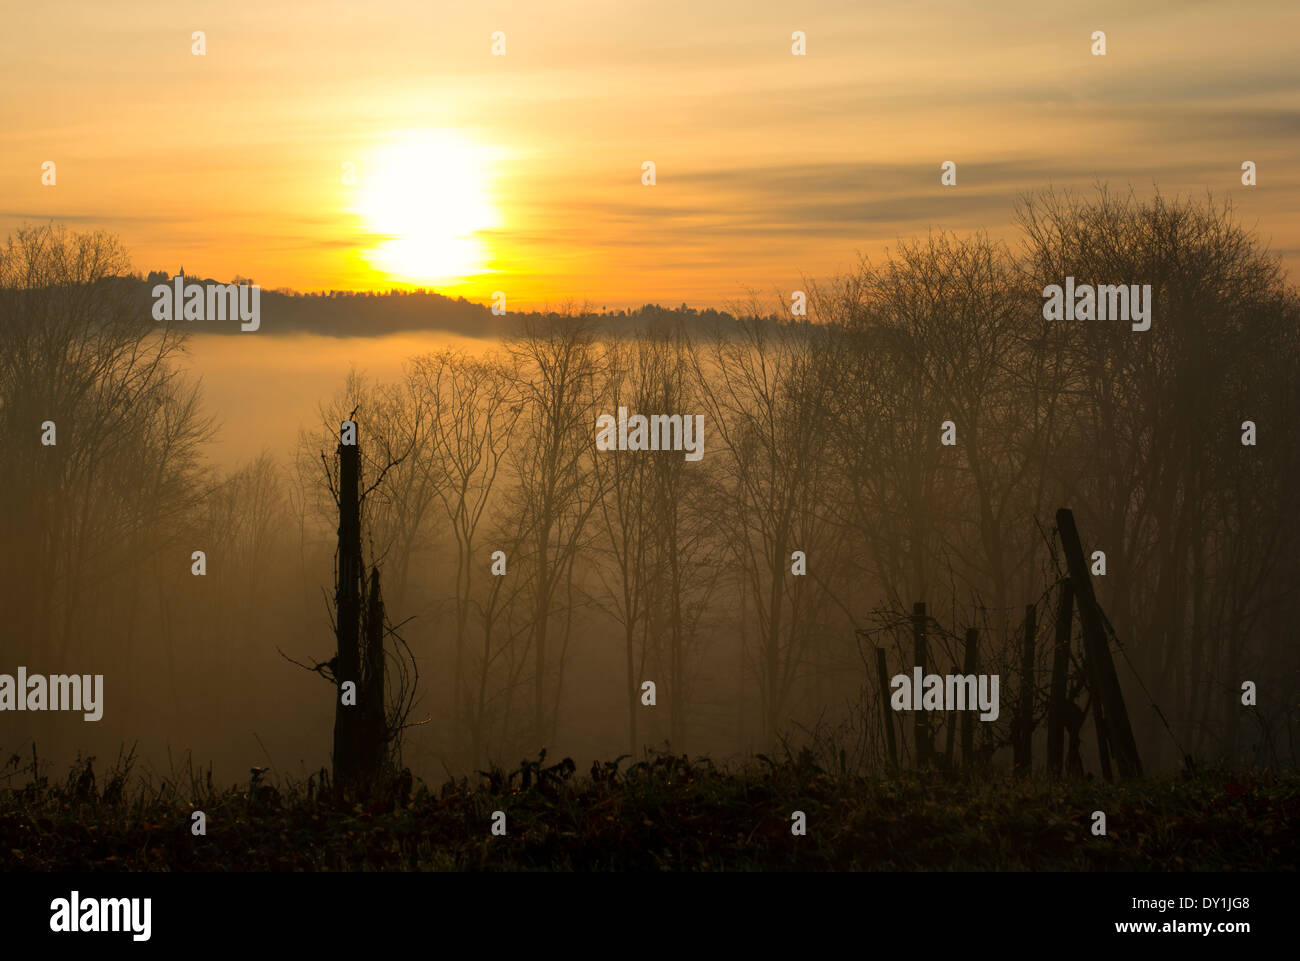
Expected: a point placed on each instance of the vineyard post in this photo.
(1060, 668)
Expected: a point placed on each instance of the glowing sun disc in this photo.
(426, 197)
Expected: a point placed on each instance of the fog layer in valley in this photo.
(751, 587)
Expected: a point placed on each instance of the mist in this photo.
(906, 441)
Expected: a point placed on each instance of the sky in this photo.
(472, 173)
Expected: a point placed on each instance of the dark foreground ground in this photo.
(663, 814)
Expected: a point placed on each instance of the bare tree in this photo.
(767, 390)
(622, 477)
(476, 408)
(1156, 420)
(88, 513)
(557, 369)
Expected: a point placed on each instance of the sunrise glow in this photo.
(425, 198)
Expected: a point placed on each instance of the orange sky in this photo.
(769, 166)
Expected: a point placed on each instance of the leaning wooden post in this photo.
(968, 715)
(1060, 672)
(1106, 693)
(924, 750)
(1025, 720)
(1099, 723)
(886, 714)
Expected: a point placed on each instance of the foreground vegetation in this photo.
(665, 813)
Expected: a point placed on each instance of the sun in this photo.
(426, 197)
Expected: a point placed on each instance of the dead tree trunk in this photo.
(1107, 698)
(1060, 671)
(347, 602)
(373, 736)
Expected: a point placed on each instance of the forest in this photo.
(889, 461)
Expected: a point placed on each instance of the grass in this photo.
(667, 813)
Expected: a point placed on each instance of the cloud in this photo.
(837, 199)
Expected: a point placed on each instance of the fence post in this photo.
(886, 713)
(1060, 669)
(924, 749)
(1025, 708)
(968, 716)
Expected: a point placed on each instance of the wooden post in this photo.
(1099, 723)
(924, 749)
(886, 712)
(1060, 672)
(949, 736)
(1025, 720)
(968, 716)
(1113, 718)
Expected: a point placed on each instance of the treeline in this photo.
(822, 435)
(348, 313)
